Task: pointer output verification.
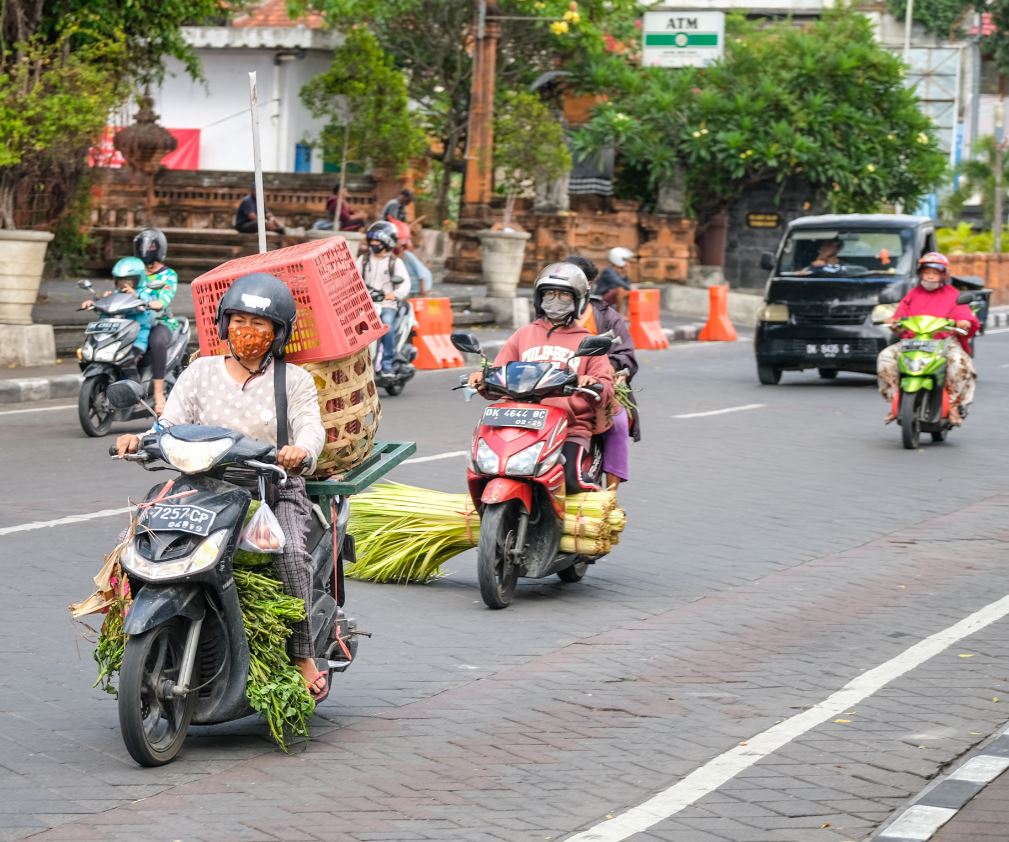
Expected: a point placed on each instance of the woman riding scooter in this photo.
(158, 289)
(240, 391)
(560, 297)
(384, 272)
(933, 296)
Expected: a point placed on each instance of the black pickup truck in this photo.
(822, 305)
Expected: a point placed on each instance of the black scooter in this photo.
(405, 352)
(187, 658)
(107, 355)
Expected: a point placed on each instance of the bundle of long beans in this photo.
(405, 534)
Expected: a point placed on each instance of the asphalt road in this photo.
(773, 554)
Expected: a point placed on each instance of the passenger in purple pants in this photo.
(601, 318)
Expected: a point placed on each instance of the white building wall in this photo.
(219, 105)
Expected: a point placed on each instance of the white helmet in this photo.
(566, 277)
(619, 256)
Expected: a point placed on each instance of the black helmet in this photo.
(566, 277)
(382, 232)
(263, 295)
(150, 246)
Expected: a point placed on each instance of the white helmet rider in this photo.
(564, 277)
(619, 256)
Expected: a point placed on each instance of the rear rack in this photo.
(385, 456)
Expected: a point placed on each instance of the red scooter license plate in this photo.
(530, 419)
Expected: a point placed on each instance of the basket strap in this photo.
(280, 399)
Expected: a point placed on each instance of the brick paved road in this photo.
(770, 558)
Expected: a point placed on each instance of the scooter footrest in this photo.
(339, 666)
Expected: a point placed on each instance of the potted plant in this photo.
(529, 146)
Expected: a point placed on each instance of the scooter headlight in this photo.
(914, 364)
(192, 457)
(549, 462)
(87, 353)
(523, 463)
(199, 560)
(107, 353)
(486, 459)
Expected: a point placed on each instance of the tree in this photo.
(64, 64)
(432, 40)
(940, 17)
(977, 176)
(528, 145)
(364, 100)
(823, 103)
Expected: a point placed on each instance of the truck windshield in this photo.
(846, 253)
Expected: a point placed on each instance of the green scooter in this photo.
(922, 404)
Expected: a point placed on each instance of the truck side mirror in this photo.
(767, 261)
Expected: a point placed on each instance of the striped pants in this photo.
(294, 565)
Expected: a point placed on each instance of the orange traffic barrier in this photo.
(434, 326)
(643, 310)
(718, 328)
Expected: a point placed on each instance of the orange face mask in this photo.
(250, 343)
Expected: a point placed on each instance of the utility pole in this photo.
(997, 210)
(908, 18)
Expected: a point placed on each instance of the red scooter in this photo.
(516, 473)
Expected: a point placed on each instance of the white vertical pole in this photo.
(257, 161)
(908, 17)
(956, 107)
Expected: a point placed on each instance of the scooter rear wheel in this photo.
(575, 573)
(495, 569)
(910, 423)
(93, 409)
(152, 720)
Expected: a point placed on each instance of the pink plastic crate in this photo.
(336, 317)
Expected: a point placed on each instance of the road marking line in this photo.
(63, 521)
(918, 822)
(723, 768)
(721, 411)
(38, 409)
(997, 330)
(450, 455)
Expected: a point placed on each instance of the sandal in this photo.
(315, 690)
(955, 418)
(890, 418)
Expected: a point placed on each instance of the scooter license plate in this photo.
(102, 327)
(530, 419)
(828, 349)
(192, 519)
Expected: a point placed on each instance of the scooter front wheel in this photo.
(152, 719)
(910, 423)
(496, 570)
(93, 407)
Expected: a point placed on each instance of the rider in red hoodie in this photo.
(560, 296)
(933, 296)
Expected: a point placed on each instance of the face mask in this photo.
(557, 311)
(931, 286)
(250, 343)
(376, 248)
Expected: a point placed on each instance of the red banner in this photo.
(185, 157)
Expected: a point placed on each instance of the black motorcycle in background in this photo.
(107, 356)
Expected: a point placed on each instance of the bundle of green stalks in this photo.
(405, 534)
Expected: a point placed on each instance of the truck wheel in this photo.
(153, 721)
(827, 373)
(495, 569)
(910, 424)
(93, 407)
(768, 375)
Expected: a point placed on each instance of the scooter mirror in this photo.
(84, 283)
(594, 346)
(467, 343)
(124, 393)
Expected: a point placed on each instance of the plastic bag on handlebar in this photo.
(262, 534)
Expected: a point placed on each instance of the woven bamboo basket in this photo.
(348, 401)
